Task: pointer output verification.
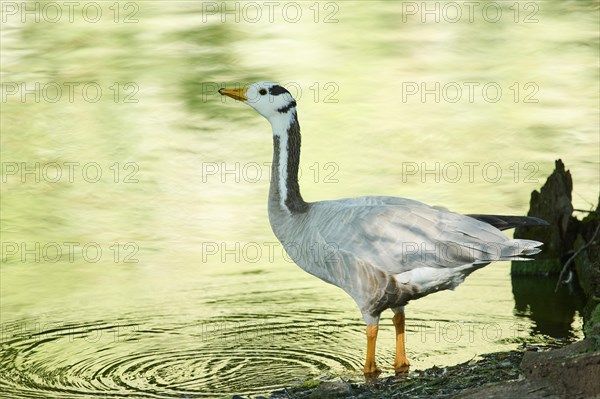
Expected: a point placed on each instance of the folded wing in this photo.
(397, 235)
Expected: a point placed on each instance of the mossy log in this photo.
(587, 268)
(553, 204)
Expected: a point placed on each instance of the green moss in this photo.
(592, 325)
(312, 383)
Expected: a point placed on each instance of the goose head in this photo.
(268, 99)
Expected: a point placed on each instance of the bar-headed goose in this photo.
(383, 251)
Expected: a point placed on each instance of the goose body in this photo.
(385, 251)
(382, 251)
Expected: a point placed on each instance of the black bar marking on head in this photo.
(285, 109)
(277, 90)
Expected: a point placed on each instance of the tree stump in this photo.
(553, 204)
(565, 238)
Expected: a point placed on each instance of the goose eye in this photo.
(262, 92)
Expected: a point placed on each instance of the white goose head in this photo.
(276, 104)
(268, 99)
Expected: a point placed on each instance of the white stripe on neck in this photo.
(280, 125)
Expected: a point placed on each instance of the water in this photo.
(137, 260)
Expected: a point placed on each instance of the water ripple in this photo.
(134, 359)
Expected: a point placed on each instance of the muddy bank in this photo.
(570, 372)
(532, 372)
(436, 382)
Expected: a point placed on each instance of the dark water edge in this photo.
(435, 382)
(530, 372)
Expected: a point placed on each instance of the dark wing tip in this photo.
(509, 222)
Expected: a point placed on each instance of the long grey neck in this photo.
(284, 191)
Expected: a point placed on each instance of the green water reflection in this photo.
(552, 313)
(134, 195)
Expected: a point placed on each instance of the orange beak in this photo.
(238, 94)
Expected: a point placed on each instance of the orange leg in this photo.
(401, 363)
(370, 366)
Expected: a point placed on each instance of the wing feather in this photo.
(398, 235)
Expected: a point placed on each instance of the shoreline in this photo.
(531, 372)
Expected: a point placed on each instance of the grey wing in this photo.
(398, 235)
